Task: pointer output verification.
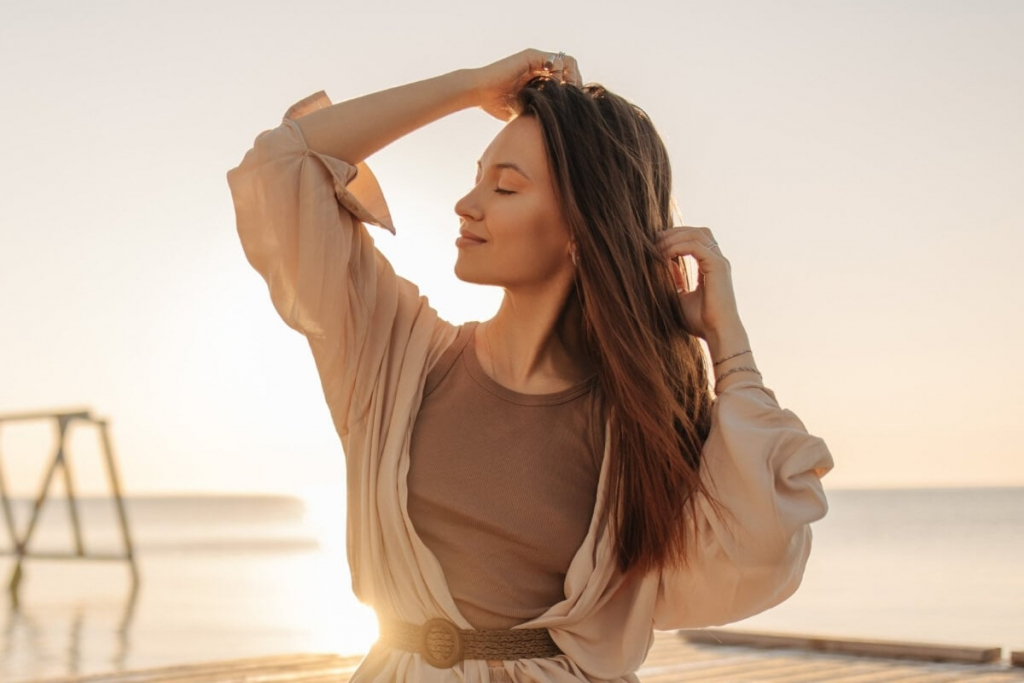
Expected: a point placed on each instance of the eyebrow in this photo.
(508, 164)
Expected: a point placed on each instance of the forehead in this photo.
(519, 142)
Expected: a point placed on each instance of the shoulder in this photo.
(449, 355)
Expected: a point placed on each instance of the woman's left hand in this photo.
(498, 83)
(710, 309)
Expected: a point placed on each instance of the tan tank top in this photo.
(502, 485)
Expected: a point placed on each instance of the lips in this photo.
(470, 236)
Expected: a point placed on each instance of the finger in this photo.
(702, 235)
(561, 64)
(684, 230)
(539, 62)
(690, 246)
(553, 61)
(678, 276)
(571, 72)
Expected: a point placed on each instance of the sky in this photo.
(861, 165)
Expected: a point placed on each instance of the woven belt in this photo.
(442, 644)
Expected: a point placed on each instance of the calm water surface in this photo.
(235, 577)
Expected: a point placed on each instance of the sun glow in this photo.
(346, 625)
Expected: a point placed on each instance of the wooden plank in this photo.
(281, 674)
(763, 672)
(715, 670)
(834, 669)
(221, 668)
(854, 646)
(673, 658)
(894, 674)
(776, 666)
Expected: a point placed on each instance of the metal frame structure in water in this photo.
(19, 544)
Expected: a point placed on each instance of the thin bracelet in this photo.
(718, 380)
(732, 356)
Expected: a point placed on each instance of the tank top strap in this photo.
(448, 357)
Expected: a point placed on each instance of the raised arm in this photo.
(766, 469)
(303, 197)
(355, 129)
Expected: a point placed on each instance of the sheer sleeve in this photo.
(301, 220)
(766, 470)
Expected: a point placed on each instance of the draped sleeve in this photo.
(301, 217)
(766, 470)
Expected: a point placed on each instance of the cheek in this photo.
(538, 229)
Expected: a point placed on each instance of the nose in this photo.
(468, 208)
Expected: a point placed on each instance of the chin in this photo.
(466, 274)
(475, 276)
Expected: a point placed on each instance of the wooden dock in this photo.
(708, 655)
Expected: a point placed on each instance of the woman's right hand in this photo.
(500, 82)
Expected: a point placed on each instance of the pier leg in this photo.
(8, 512)
(115, 484)
(69, 487)
(22, 543)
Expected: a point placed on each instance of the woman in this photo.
(530, 497)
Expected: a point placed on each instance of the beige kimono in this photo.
(301, 218)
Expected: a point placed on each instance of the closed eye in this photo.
(501, 191)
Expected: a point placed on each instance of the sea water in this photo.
(232, 577)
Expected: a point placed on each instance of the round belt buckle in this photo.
(441, 644)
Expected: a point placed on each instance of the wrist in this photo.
(727, 340)
(742, 373)
(731, 356)
(467, 89)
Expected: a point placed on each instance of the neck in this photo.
(535, 340)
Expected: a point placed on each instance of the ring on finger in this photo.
(549, 63)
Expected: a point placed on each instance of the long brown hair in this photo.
(613, 181)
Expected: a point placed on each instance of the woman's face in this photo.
(513, 209)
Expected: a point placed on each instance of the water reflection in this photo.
(31, 637)
(220, 579)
